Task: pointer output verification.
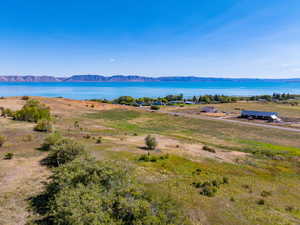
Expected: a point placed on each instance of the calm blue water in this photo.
(112, 90)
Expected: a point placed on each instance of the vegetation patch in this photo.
(154, 107)
(151, 142)
(64, 151)
(210, 188)
(43, 125)
(115, 115)
(8, 156)
(86, 192)
(209, 149)
(270, 150)
(51, 140)
(32, 111)
(152, 158)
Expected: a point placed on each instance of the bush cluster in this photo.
(208, 149)
(25, 98)
(63, 150)
(210, 188)
(152, 158)
(154, 107)
(85, 192)
(51, 140)
(99, 140)
(8, 156)
(43, 125)
(7, 112)
(32, 111)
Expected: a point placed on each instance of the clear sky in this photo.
(219, 38)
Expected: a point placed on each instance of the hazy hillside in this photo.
(124, 78)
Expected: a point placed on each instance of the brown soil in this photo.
(169, 145)
(20, 178)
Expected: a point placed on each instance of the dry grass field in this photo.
(262, 165)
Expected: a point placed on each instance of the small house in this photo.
(260, 115)
(209, 109)
(189, 102)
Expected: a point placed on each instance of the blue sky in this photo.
(218, 38)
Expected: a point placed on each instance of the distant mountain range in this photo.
(123, 78)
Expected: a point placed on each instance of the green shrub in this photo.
(261, 202)
(8, 156)
(151, 142)
(154, 107)
(32, 111)
(51, 140)
(99, 140)
(208, 191)
(64, 151)
(208, 149)
(152, 158)
(43, 125)
(209, 188)
(290, 208)
(86, 192)
(2, 140)
(87, 136)
(76, 124)
(7, 112)
(197, 171)
(225, 180)
(216, 183)
(25, 98)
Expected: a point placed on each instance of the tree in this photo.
(151, 142)
(125, 100)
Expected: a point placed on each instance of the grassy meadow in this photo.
(255, 171)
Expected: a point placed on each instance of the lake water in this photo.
(110, 90)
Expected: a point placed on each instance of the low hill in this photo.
(128, 78)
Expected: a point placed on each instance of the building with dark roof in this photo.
(260, 115)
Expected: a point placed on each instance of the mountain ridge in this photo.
(127, 78)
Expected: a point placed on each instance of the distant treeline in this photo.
(203, 99)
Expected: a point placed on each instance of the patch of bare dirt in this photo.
(169, 145)
(20, 178)
(13, 103)
(60, 106)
